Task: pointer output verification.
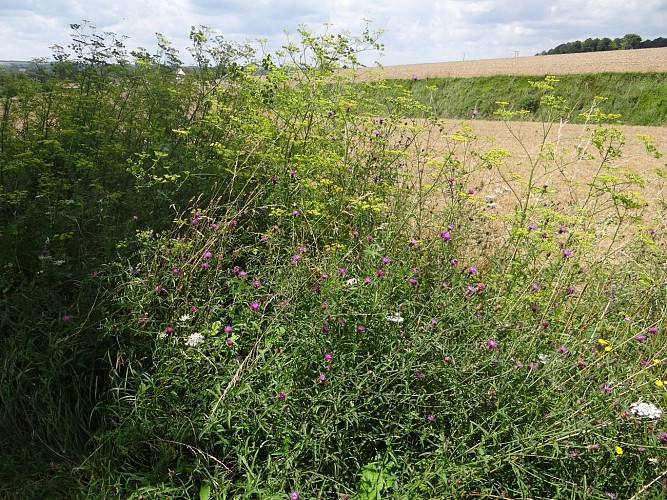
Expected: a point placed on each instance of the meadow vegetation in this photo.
(216, 285)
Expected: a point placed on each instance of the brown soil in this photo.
(617, 61)
(566, 174)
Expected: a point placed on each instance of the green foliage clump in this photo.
(242, 283)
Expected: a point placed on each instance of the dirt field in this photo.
(637, 61)
(567, 175)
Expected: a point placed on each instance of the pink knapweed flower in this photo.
(254, 305)
(328, 356)
(492, 344)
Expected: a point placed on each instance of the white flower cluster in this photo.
(647, 410)
(395, 319)
(194, 340)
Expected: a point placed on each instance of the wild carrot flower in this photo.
(394, 319)
(646, 410)
(194, 340)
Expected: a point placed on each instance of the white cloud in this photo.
(424, 31)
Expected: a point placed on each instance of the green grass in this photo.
(640, 98)
(236, 291)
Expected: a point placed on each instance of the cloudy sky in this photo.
(415, 31)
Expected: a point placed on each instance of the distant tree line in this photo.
(629, 41)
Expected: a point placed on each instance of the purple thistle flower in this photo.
(447, 359)
(342, 270)
(662, 437)
(254, 305)
(256, 284)
(562, 230)
(208, 255)
(67, 318)
(321, 377)
(445, 235)
(169, 329)
(159, 289)
(606, 388)
(566, 252)
(328, 356)
(175, 270)
(360, 328)
(492, 344)
(653, 330)
(430, 418)
(294, 495)
(380, 272)
(205, 265)
(563, 349)
(386, 260)
(367, 279)
(535, 287)
(454, 262)
(281, 395)
(472, 270)
(326, 327)
(193, 308)
(640, 338)
(419, 374)
(531, 227)
(228, 328)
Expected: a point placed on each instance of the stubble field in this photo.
(567, 172)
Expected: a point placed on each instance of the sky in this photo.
(414, 31)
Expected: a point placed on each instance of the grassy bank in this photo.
(639, 98)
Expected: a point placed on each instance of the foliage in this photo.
(629, 41)
(268, 284)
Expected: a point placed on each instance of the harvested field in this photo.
(565, 175)
(617, 61)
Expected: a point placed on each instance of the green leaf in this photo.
(205, 491)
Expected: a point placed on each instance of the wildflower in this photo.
(294, 495)
(472, 270)
(640, 338)
(566, 252)
(532, 366)
(569, 290)
(256, 284)
(663, 437)
(328, 356)
(208, 255)
(324, 276)
(321, 377)
(563, 349)
(535, 287)
(254, 305)
(653, 330)
(419, 374)
(342, 270)
(380, 272)
(445, 235)
(618, 450)
(175, 270)
(326, 327)
(169, 329)
(281, 395)
(454, 262)
(447, 359)
(659, 383)
(184, 318)
(143, 318)
(194, 340)
(562, 230)
(213, 226)
(159, 289)
(295, 213)
(205, 265)
(229, 342)
(360, 328)
(531, 227)
(394, 319)
(67, 318)
(430, 418)
(228, 328)
(386, 260)
(367, 279)
(492, 344)
(646, 410)
(606, 388)
(412, 281)
(352, 281)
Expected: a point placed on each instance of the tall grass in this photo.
(293, 295)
